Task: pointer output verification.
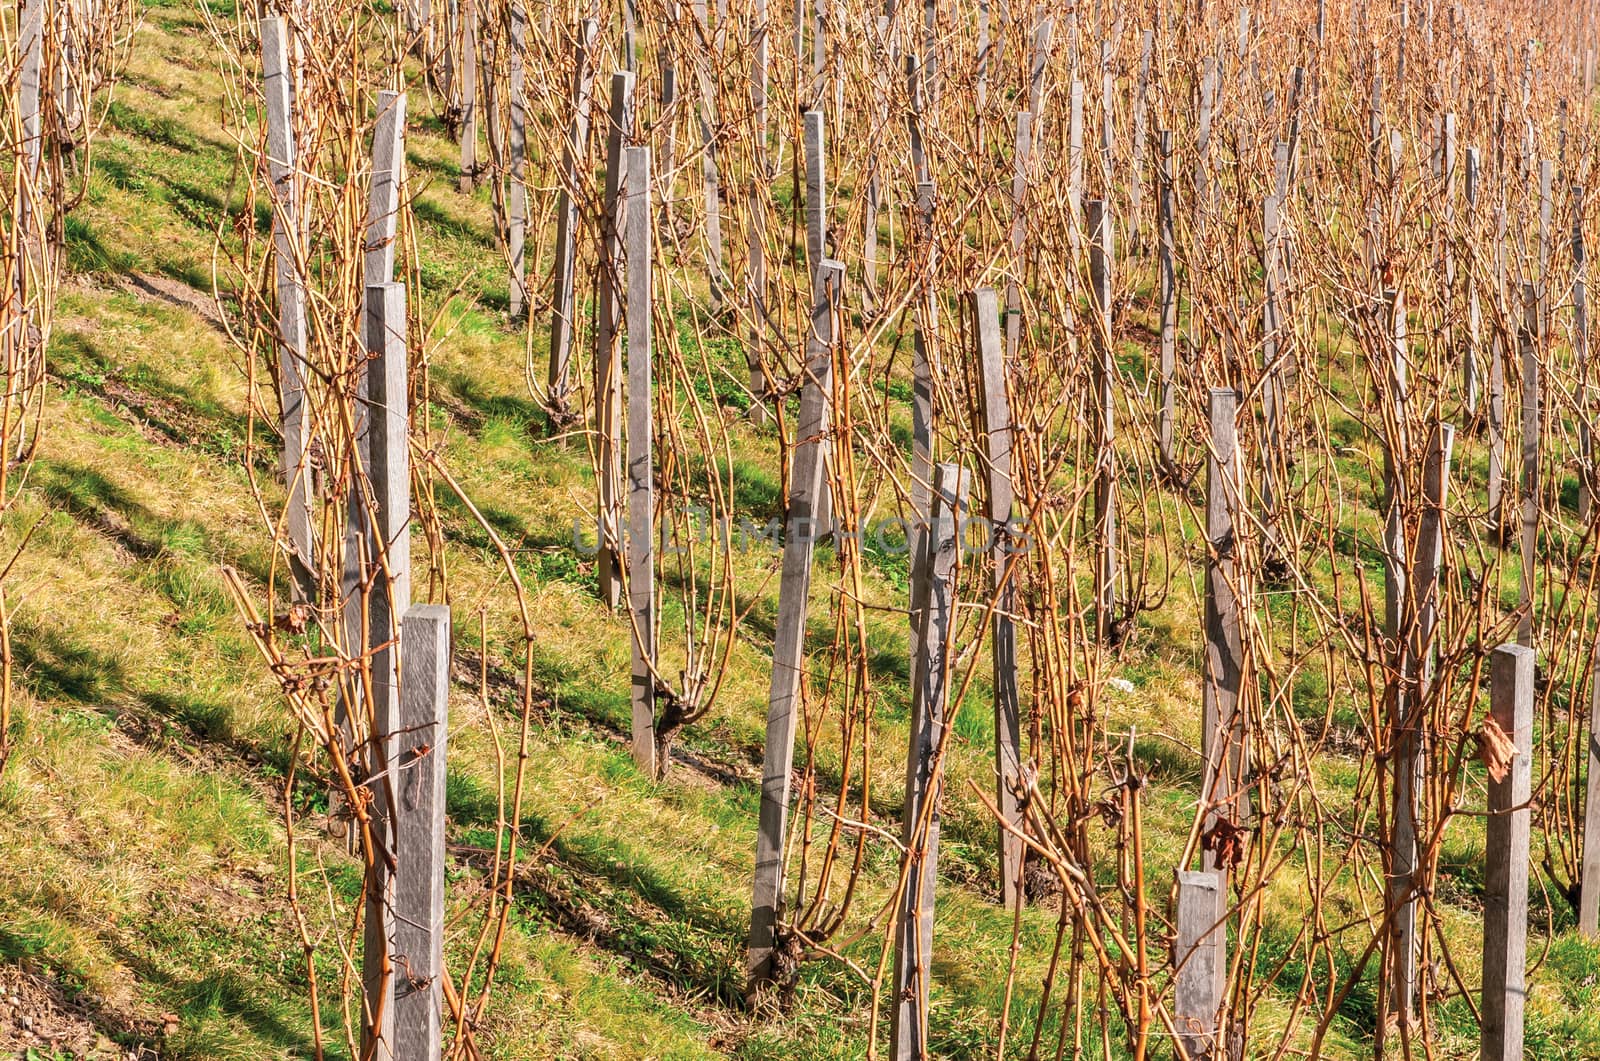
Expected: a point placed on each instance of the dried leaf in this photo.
(1495, 749)
(1227, 840)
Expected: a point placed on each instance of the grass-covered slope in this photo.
(142, 855)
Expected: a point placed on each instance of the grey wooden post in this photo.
(1546, 217)
(924, 353)
(788, 648)
(469, 95)
(1141, 118)
(816, 253)
(1039, 60)
(517, 219)
(1497, 386)
(1209, 85)
(1200, 958)
(1101, 259)
(1075, 168)
(1019, 232)
(1273, 385)
(1395, 456)
(383, 200)
(608, 347)
(997, 443)
(641, 480)
(1222, 724)
(574, 174)
(934, 606)
(1580, 351)
(390, 598)
(1531, 395)
(1469, 362)
(419, 832)
(1169, 310)
(816, 191)
(1108, 95)
(284, 179)
(1589, 879)
(30, 47)
(711, 182)
(874, 189)
(1505, 878)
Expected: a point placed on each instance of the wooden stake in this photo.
(608, 347)
(1101, 258)
(788, 649)
(641, 477)
(574, 175)
(933, 604)
(419, 836)
(1200, 958)
(1505, 879)
(1531, 396)
(1222, 728)
(1007, 736)
(284, 178)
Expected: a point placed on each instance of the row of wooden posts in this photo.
(411, 685)
(402, 751)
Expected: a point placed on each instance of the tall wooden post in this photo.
(1589, 877)
(1497, 387)
(1141, 119)
(469, 95)
(1101, 258)
(788, 649)
(389, 599)
(1075, 168)
(517, 150)
(574, 175)
(1200, 958)
(608, 346)
(816, 253)
(1169, 310)
(1019, 232)
(419, 836)
(924, 354)
(933, 604)
(1580, 352)
(641, 476)
(1222, 728)
(1469, 361)
(1531, 419)
(1505, 878)
(383, 199)
(284, 178)
(1210, 78)
(710, 178)
(1002, 547)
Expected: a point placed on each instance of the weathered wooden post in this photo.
(517, 150)
(788, 650)
(1222, 727)
(1210, 78)
(1075, 168)
(1497, 387)
(1169, 312)
(1531, 395)
(469, 95)
(419, 835)
(1474, 348)
(574, 174)
(608, 346)
(383, 198)
(710, 179)
(388, 600)
(1019, 232)
(1200, 958)
(933, 604)
(1589, 877)
(1101, 258)
(284, 180)
(1141, 119)
(924, 353)
(1580, 352)
(1505, 878)
(1002, 549)
(1273, 397)
(816, 252)
(641, 475)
